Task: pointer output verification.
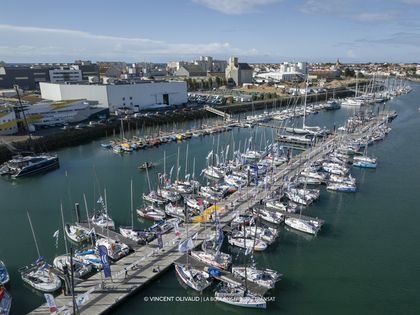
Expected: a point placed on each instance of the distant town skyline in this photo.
(254, 30)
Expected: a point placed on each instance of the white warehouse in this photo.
(138, 95)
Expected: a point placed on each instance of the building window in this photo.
(123, 98)
(21, 78)
(131, 97)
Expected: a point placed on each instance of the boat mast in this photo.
(304, 103)
(132, 205)
(87, 211)
(106, 213)
(177, 166)
(148, 179)
(186, 161)
(193, 173)
(164, 162)
(122, 130)
(33, 234)
(23, 112)
(217, 148)
(357, 84)
(64, 231)
(246, 280)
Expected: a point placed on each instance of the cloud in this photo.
(350, 53)
(396, 39)
(234, 7)
(324, 7)
(375, 16)
(349, 9)
(414, 2)
(27, 42)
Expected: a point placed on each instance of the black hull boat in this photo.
(22, 166)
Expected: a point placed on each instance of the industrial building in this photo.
(286, 72)
(134, 95)
(238, 73)
(48, 114)
(65, 75)
(27, 77)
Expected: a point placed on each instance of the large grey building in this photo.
(238, 73)
(28, 77)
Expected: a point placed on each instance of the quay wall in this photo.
(72, 137)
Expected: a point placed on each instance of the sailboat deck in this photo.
(106, 233)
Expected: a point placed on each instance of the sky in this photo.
(168, 30)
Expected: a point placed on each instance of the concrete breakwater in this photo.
(64, 138)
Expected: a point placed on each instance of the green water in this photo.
(364, 261)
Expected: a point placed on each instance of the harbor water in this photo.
(365, 260)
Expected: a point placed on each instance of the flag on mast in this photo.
(103, 254)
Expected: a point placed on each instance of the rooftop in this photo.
(115, 82)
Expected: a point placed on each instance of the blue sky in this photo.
(254, 30)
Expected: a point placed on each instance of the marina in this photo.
(162, 258)
(148, 262)
(183, 158)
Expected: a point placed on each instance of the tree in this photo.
(194, 84)
(210, 82)
(349, 72)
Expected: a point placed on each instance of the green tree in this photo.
(194, 84)
(349, 72)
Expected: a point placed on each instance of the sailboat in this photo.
(115, 249)
(364, 161)
(129, 231)
(64, 262)
(216, 259)
(4, 275)
(237, 295)
(356, 100)
(212, 170)
(244, 239)
(89, 256)
(153, 197)
(101, 217)
(5, 301)
(81, 269)
(77, 233)
(195, 278)
(151, 213)
(264, 277)
(302, 225)
(306, 130)
(39, 275)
